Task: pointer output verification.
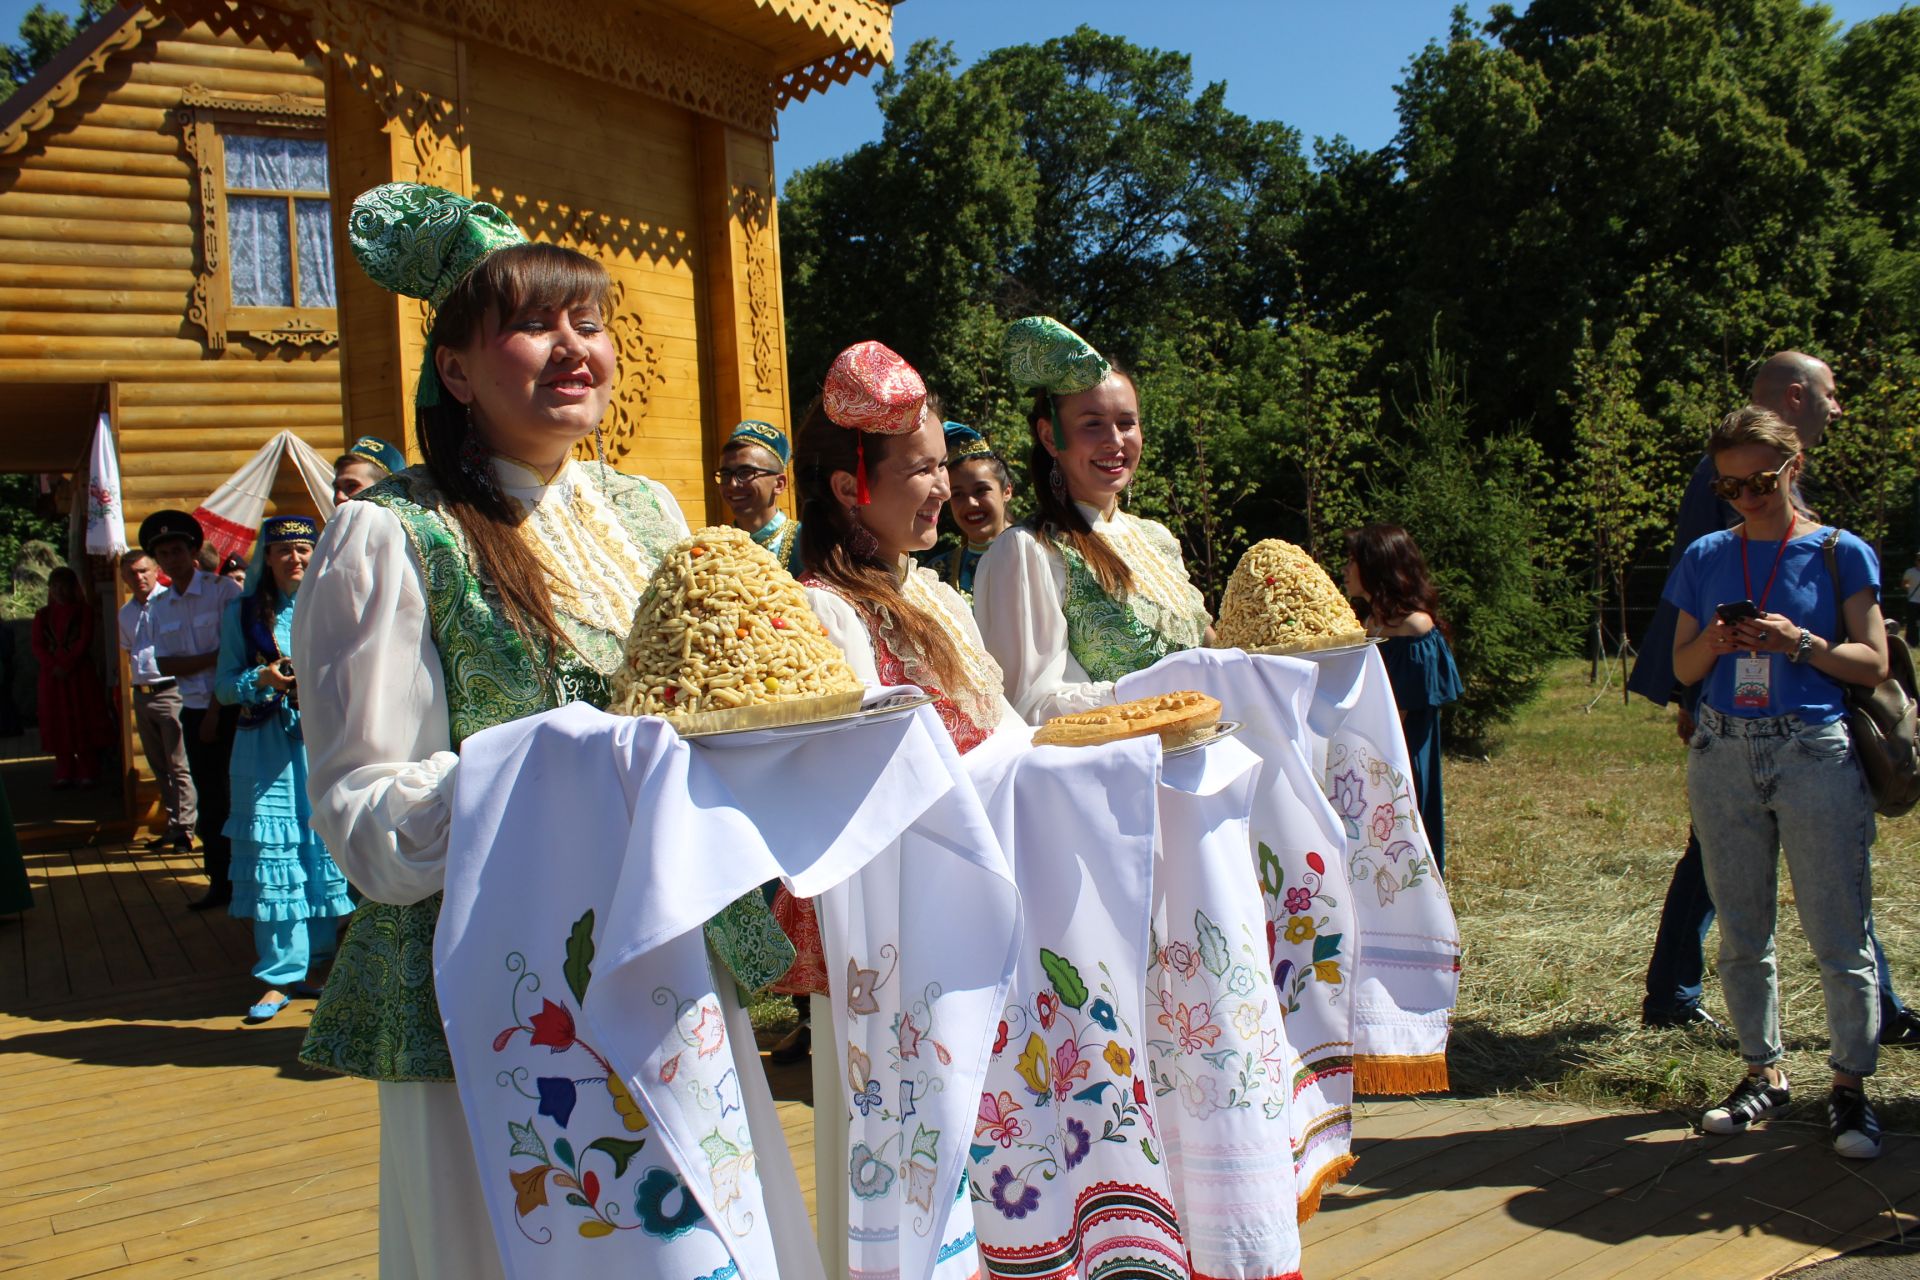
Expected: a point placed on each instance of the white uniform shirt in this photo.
(187, 623)
(136, 637)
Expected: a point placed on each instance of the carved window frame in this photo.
(204, 120)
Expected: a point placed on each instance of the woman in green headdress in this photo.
(1081, 593)
(495, 580)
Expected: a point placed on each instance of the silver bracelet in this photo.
(1804, 648)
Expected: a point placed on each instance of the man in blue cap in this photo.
(752, 475)
(366, 463)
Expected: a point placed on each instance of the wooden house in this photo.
(170, 248)
(171, 191)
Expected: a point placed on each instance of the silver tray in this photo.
(891, 707)
(1221, 729)
(1280, 651)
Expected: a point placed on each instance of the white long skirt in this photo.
(433, 1217)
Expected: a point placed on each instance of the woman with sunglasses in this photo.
(1771, 767)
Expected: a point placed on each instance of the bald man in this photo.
(1800, 388)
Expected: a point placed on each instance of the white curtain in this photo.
(316, 253)
(258, 259)
(276, 164)
(262, 242)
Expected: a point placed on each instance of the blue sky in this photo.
(1324, 68)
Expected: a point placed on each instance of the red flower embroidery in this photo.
(1049, 1006)
(1000, 1037)
(1193, 1026)
(1382, 823)
(553, 1027)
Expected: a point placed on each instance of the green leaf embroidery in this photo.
(579, 965)
(564, 1149)
(926, 1142)
(718, 1149)
(1066, 979)
(575, 1198)
(527, 1141)
(1213, 945)
(1146, 1149)
(1272, 877)
(1326, 947)
(620, 1149)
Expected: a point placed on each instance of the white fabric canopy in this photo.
(231, 517)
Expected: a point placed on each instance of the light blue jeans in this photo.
(1758, 787)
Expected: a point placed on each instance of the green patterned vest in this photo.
(378, 1017)
(1107, 637)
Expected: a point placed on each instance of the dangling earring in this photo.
(600, 446)
(862, 542)
(1057, 482)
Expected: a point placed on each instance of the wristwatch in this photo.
(1805, 647)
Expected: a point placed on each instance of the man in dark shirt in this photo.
(1801, 390)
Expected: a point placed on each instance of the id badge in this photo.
(1753, 681)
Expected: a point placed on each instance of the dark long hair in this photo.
(821, 448)
(503, 283)
(1055, 516)
(1394, 574)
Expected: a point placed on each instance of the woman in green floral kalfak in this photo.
(496, 580)
(1082, 593)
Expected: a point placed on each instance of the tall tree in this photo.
(44, 32)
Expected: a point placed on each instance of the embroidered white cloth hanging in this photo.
(1299, 857)
(231, 516)
(106, 518)
(1406, 975)
(633, 818)
(1067, 1170)
(1222, 1068)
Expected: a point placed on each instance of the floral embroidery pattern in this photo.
(1064, 1057)
(553, 1068)
(1386, 846)
(1220, 1045)
(909, 1156)
(1300, 947)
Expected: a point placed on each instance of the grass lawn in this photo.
(1559, 849)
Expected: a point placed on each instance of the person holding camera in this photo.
(283, 877)
(1770, 766)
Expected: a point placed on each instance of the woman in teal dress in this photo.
(283, 878)
(1385, 568)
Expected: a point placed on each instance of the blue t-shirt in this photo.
(1709, 575)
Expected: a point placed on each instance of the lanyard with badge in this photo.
(1753, 674)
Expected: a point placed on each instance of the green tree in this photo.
(44, 32)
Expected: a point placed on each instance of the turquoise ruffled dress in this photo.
(1424, 679)
(284, 879)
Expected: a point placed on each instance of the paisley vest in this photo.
(1107, 637)
(378, 1017)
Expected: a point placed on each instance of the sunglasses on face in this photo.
(740, 475)
(1760, 483)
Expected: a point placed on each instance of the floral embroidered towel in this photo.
(589, 1035)
(1222, 1068)
(920, 951)
(1068, 1176)
(1406, 973)
(1299, 856)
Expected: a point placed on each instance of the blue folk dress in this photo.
(283, 877)
(1424, 679)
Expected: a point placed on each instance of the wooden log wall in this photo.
(99, 249)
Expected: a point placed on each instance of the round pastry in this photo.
(1280, 598)
(1179, 718)
(722, 627)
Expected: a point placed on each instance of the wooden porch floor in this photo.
(149, 1134)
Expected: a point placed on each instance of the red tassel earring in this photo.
(860, 469)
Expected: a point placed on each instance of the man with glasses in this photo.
(1801, 390)
(752, 475)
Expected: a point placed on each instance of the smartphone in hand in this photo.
(1736, 611)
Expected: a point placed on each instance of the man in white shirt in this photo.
(186, 645)
(156, 703)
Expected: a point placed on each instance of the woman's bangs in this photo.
(544, 277)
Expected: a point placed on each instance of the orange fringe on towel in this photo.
(1334, 1172)
(1426, 1073)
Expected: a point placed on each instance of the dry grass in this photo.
(1559, 850)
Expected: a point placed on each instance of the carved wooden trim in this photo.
(64, 91)
(866, 25)
(753, 209)
(818, 77)
(200, 115)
